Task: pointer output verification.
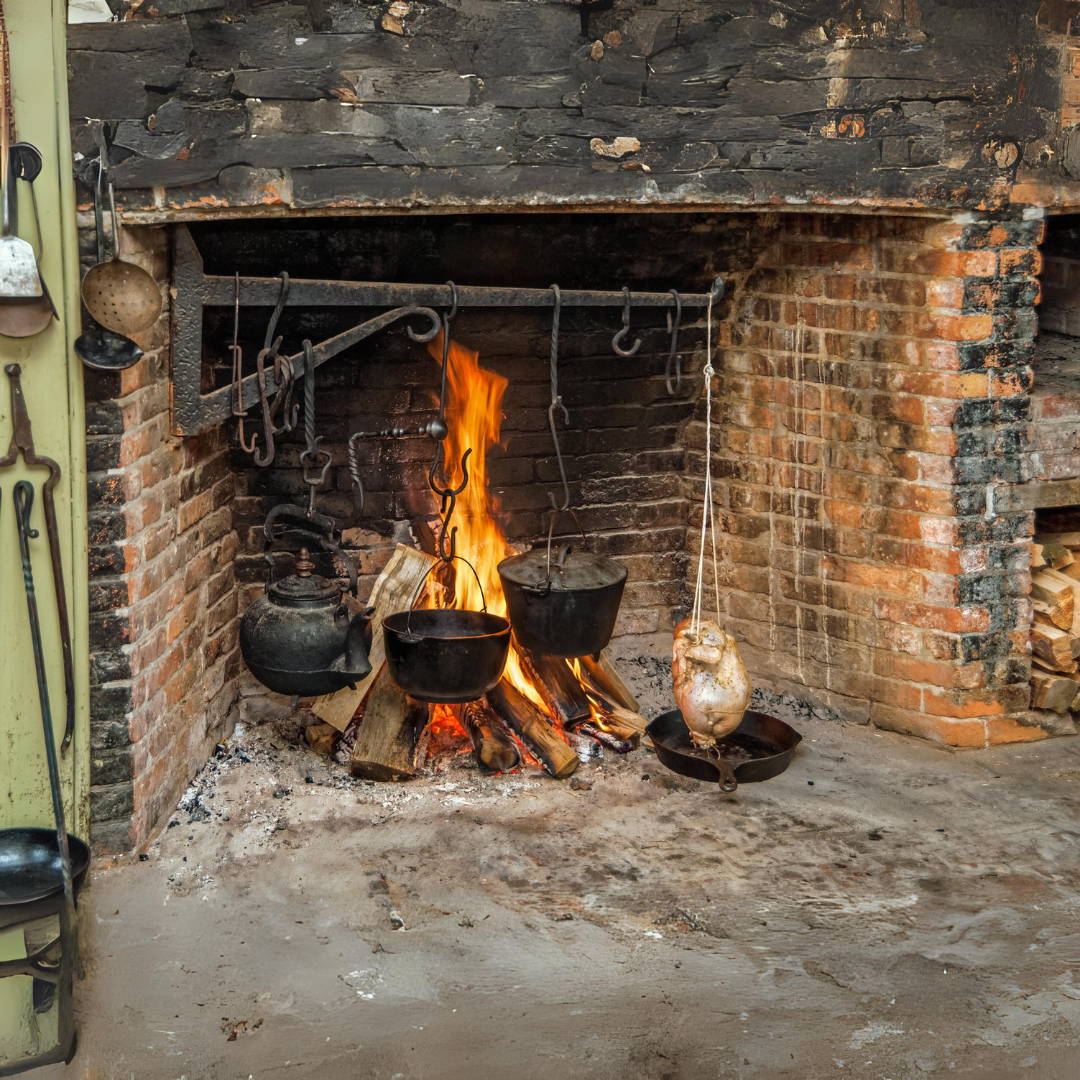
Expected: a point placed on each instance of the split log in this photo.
(560, 688)
(321, 737)
(1054, 669)
(1053, 645)
(534, 729)
(1054, 589)
(393, 591)
(1054, 692)
(493, 745)
(1058, 556)
(386, 741)
(604, 678)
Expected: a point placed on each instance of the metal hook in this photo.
(264, 459)
(556, 400)
(238, 409)
(311, 456)
(616, 341)
(674, 360)
(448, 496)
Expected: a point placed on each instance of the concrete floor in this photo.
(884, 909)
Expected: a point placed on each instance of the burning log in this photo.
(386, 741)
(533, 727)
(560, 688)
(393, 591)
(492, 743)
(603, 678)
(606, 737)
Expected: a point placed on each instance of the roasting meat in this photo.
(711, 685)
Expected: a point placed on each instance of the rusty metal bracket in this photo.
(194, 411)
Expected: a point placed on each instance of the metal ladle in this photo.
(96, 347)
(121, 296)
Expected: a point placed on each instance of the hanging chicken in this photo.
(711, 685)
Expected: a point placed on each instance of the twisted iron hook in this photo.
(674, 360)
(312, 455)
(616, 341)
(557, 401)
(263, 458)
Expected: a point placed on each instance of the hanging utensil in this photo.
(567, 608)
(19, 277)
(298, 638)
(446, 655)
(96, 347)
(22, 442)
(24, 500)
(121, 296)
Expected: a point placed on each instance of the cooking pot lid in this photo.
(579, 570)
(311, 589)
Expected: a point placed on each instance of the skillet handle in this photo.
(725, 776)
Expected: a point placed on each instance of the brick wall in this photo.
(163, 632)
(872, 386)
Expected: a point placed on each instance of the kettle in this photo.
(299, 639)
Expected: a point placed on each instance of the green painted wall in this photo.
(52, 382)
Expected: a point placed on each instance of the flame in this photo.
(474, 416)
(600, 716)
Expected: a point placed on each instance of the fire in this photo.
(474, 415)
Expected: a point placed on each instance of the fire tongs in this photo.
(22, 441)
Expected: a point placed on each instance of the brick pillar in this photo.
(872, 387)
(163, 632)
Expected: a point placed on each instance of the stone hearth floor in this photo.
(884, 909)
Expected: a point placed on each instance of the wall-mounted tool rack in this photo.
(194, 411)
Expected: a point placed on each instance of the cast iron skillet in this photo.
(760, 748)
(30, 864)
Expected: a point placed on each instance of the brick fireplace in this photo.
(871, 181)
(873, 386)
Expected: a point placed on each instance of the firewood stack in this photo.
(380, 728)
(1055, 633)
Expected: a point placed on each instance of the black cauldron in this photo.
(562, 606)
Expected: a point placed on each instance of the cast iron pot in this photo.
(562, 606)
(299, 639)
(446, 656)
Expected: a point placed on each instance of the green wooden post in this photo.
(52, 381)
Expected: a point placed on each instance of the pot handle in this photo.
(444, 562)
(546, 583)
(336, 548)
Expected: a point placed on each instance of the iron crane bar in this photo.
(220, 291)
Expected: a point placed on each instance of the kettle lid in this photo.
(303, 588)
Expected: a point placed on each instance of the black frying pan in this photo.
(30, 864)
(760, 748)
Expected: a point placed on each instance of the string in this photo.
(708, 521)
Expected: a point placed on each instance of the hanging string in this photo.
(708, 520)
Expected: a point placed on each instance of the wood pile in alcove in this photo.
(1055, 631)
